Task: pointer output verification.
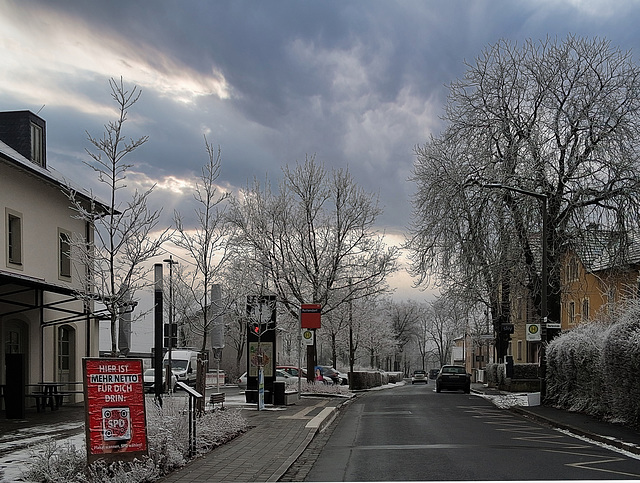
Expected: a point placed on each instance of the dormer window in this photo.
(36, 144)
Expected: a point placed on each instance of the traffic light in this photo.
(255, 328)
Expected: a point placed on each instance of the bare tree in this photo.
(124, 237)
(205, 240)
(555, 118)
(447, 319)
(315, 237)
(404, 317)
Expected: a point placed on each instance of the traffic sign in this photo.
(310, 316)
(307, 336)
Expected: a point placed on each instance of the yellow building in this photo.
(599, 271)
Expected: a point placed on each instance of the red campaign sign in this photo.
(115, 409)
(310, 316)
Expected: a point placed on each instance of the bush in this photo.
(594, 368)
(168, 445)
(525, 371)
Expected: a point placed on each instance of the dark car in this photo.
(453, 377)
(433, 373)
(331, 374)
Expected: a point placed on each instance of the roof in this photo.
(600, 249)
(48, 174)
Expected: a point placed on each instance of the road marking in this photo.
(404, 447)
(303, 413)
(317, 421)
(387, 413)
(589, 465)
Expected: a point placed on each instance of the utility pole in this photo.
(169, 334)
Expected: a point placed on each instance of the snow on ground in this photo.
(17, 446)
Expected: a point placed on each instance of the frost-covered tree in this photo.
(125, 235)
(205, 240)
(559, 118)
(314, 237)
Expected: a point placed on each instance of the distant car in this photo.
(149, 378)
(281, 376)
(331, 374)
(344, 378)
(293, 371)
(242, 382)
(419, 376)
(433, 373)
(453, 377)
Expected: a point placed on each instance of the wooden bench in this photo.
(44, 399)
(217, 398)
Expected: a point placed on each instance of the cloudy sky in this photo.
(357, 83)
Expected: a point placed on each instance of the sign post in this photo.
(115, 421)
(310, 319)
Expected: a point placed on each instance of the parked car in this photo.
(293, 371)
(331, 374)
(242, 382)
(344, 378)
(419, 376)
(453, 377)
(433, 373)
(149, 378)
(281, 376)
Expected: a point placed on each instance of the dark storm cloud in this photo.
(359, 83)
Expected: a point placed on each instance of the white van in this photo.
(184, 364)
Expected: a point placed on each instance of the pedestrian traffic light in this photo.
(255, 328)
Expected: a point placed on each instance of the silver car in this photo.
(419, 376)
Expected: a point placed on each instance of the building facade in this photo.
(39, 273)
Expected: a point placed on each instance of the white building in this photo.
(39, 315)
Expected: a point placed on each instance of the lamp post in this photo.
(169, 371)
(544, 275)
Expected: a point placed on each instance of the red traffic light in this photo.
(255, 328)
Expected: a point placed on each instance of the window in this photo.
(12, 344)
(66, 353)
(572, 313)
(14, 238)
(36, 144)
(572, 270)
(64, 253)
(519, 353)
(585, 310)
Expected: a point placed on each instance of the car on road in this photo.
(419, 376)
(433, 373)
(149, 377)
(453, 377)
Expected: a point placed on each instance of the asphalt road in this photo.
(413, 433)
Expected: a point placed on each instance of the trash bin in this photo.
(509, 366)
(278, 393)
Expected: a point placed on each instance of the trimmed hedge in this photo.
(595, 368)
(360, 380)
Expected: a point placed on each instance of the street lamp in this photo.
(544, 275)
(171, 263)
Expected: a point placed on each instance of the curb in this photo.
(316, 425)
(631, 448)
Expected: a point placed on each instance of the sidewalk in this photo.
(580, 424)
(278, 435)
